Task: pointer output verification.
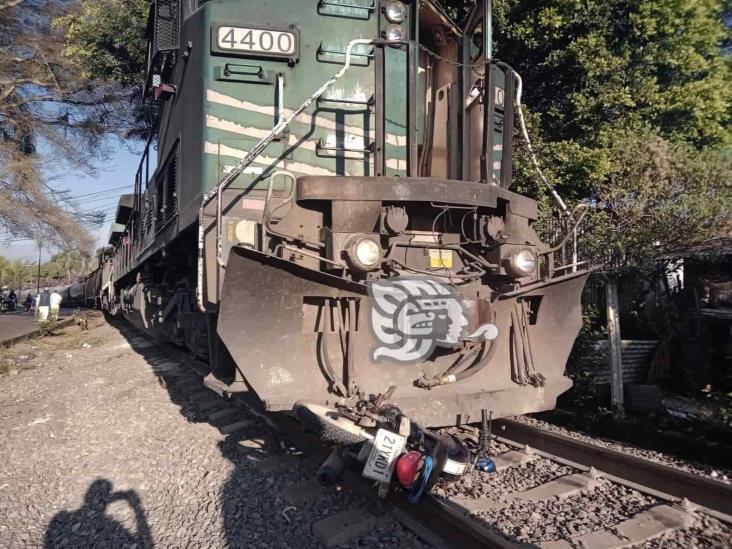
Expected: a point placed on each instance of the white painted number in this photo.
(256, 40)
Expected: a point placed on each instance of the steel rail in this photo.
(711, 494)
(454, 524)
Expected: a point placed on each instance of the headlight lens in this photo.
(395, 33)
(368, 252)
(364, 253)
(523, 262)
(395, 11)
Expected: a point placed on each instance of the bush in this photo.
(48, 326)
(583, 364)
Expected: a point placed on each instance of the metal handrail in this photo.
(369, 7)
(252, 155)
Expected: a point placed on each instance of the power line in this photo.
(98, 208)
(15, 240)
(100, 192)
(114, 196)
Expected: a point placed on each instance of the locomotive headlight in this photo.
(368, 252)
(522, 263)
(364, 253)
(395, 33)
(395, 11)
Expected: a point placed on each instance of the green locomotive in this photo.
(328, 218)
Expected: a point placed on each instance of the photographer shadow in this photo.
(91, 526)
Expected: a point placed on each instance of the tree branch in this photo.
(7, 4)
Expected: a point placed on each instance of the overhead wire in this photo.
(103, 191)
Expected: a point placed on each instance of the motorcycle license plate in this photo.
(387, 447)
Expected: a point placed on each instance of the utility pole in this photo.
(489, 29)
(40, 248)
(615, 345)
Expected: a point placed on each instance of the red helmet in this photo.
(408, 467)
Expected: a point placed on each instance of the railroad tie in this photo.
(168, 367)
(234, 427)
(343, 527)
(562, 487)
(224, 415)
(646, 525)
(209, 403)
(513, 458)
(187, 384)
(300, 493)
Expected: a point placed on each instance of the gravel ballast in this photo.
(99, 450)
(477, 484)
(603, 507)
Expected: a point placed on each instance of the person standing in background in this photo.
(56, 300)
(28, 302)
(43, 305)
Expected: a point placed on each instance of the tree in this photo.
(14, 274)
(63, 268)
(68, 265)
(614, 92)
(107, 38)
(658, 196)
(52, 119)
(589, 65)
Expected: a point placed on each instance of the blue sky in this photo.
(117, 171)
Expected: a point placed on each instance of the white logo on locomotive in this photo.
(411, 316)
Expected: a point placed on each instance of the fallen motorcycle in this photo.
(7, 305)
(393, 450)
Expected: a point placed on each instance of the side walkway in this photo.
(19, 324)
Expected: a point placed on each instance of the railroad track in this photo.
(669, 501)
(458, 515)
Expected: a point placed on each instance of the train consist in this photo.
(328, 220)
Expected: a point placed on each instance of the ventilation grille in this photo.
(167, 25)
(167, 190)
(147, 225)
(171, 187)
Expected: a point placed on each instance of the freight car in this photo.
(84, 293)
(328, 219)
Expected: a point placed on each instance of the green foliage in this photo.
(107, 38)
(656, 196)
(68, 265)
(64, 267)
(584, 362)
(47, 327)
(629, 107)
(13, 274)
(592, 65)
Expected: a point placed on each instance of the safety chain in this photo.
(455, 63)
